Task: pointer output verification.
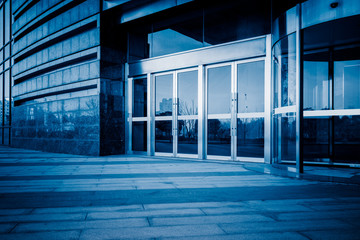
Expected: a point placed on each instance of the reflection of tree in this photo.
(163, 130)
(187, 130)
(219, 130)
(187, 109)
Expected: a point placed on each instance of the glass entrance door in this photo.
(176, 113)
(219, 110)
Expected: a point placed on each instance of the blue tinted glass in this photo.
(250, 137)
(187, 93)
(188, 136)
(139, 136)
(140, 98)
(250, 79)
(219, 90)
(347, 84)
(316, 85)
(163, 137)
(163, 95)
(219, 138)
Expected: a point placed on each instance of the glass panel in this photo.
(139, 136)
(1, 27)
(7, 51)
(219, 90)
(140, 98)
(1, 136)
(188, 92)
(219, 138)
(347, 84)
(1, 99)
(317, 139)
(163, 95)
(163, 136)
(250, 137)
(7, 21)
(316, 85)
(7, 98)
(347, 139)
(235, 20)
(188, 136)
(250, 79)
(285, 72)
(285, 137)
(178, 34)
(6, 136)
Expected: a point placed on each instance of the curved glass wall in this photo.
(284, 100)
(324, 125)
(331, 76)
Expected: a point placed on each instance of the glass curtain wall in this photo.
(5, 72)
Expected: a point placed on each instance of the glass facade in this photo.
(5, 72)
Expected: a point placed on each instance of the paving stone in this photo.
(61, 235)
(152, 232)
(168, 221)
(353, 234)
(154, 213)
(251, 236)
(18, 211)
(80, 225)
(319, 215)
(287, 226)
(42, 217)
(192, 205)
(6, 227)
(87, 209)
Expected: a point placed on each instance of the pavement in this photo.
(60, 196)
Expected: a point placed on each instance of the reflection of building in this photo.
(165, 105)
(233, 69)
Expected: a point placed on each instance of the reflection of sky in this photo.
(219, 90)
(169, 41)
(187, 82)
(251, 87)
(163, 89)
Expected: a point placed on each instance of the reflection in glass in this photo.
(250, 137)
(285, 72)
(219, 90)
(140, 98)
(163, 136)
(163, 95)
(188, 136)
(347, 139)
(1, 99)
(250, 79)
(6, 136)
(219, 137)
(188, 100)
(284, 137)
(7, 98)
(316, 139)
(139, 136)
(347, 84)
(181, 33)
(316, 85)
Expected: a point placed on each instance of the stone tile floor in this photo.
(58, 196)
